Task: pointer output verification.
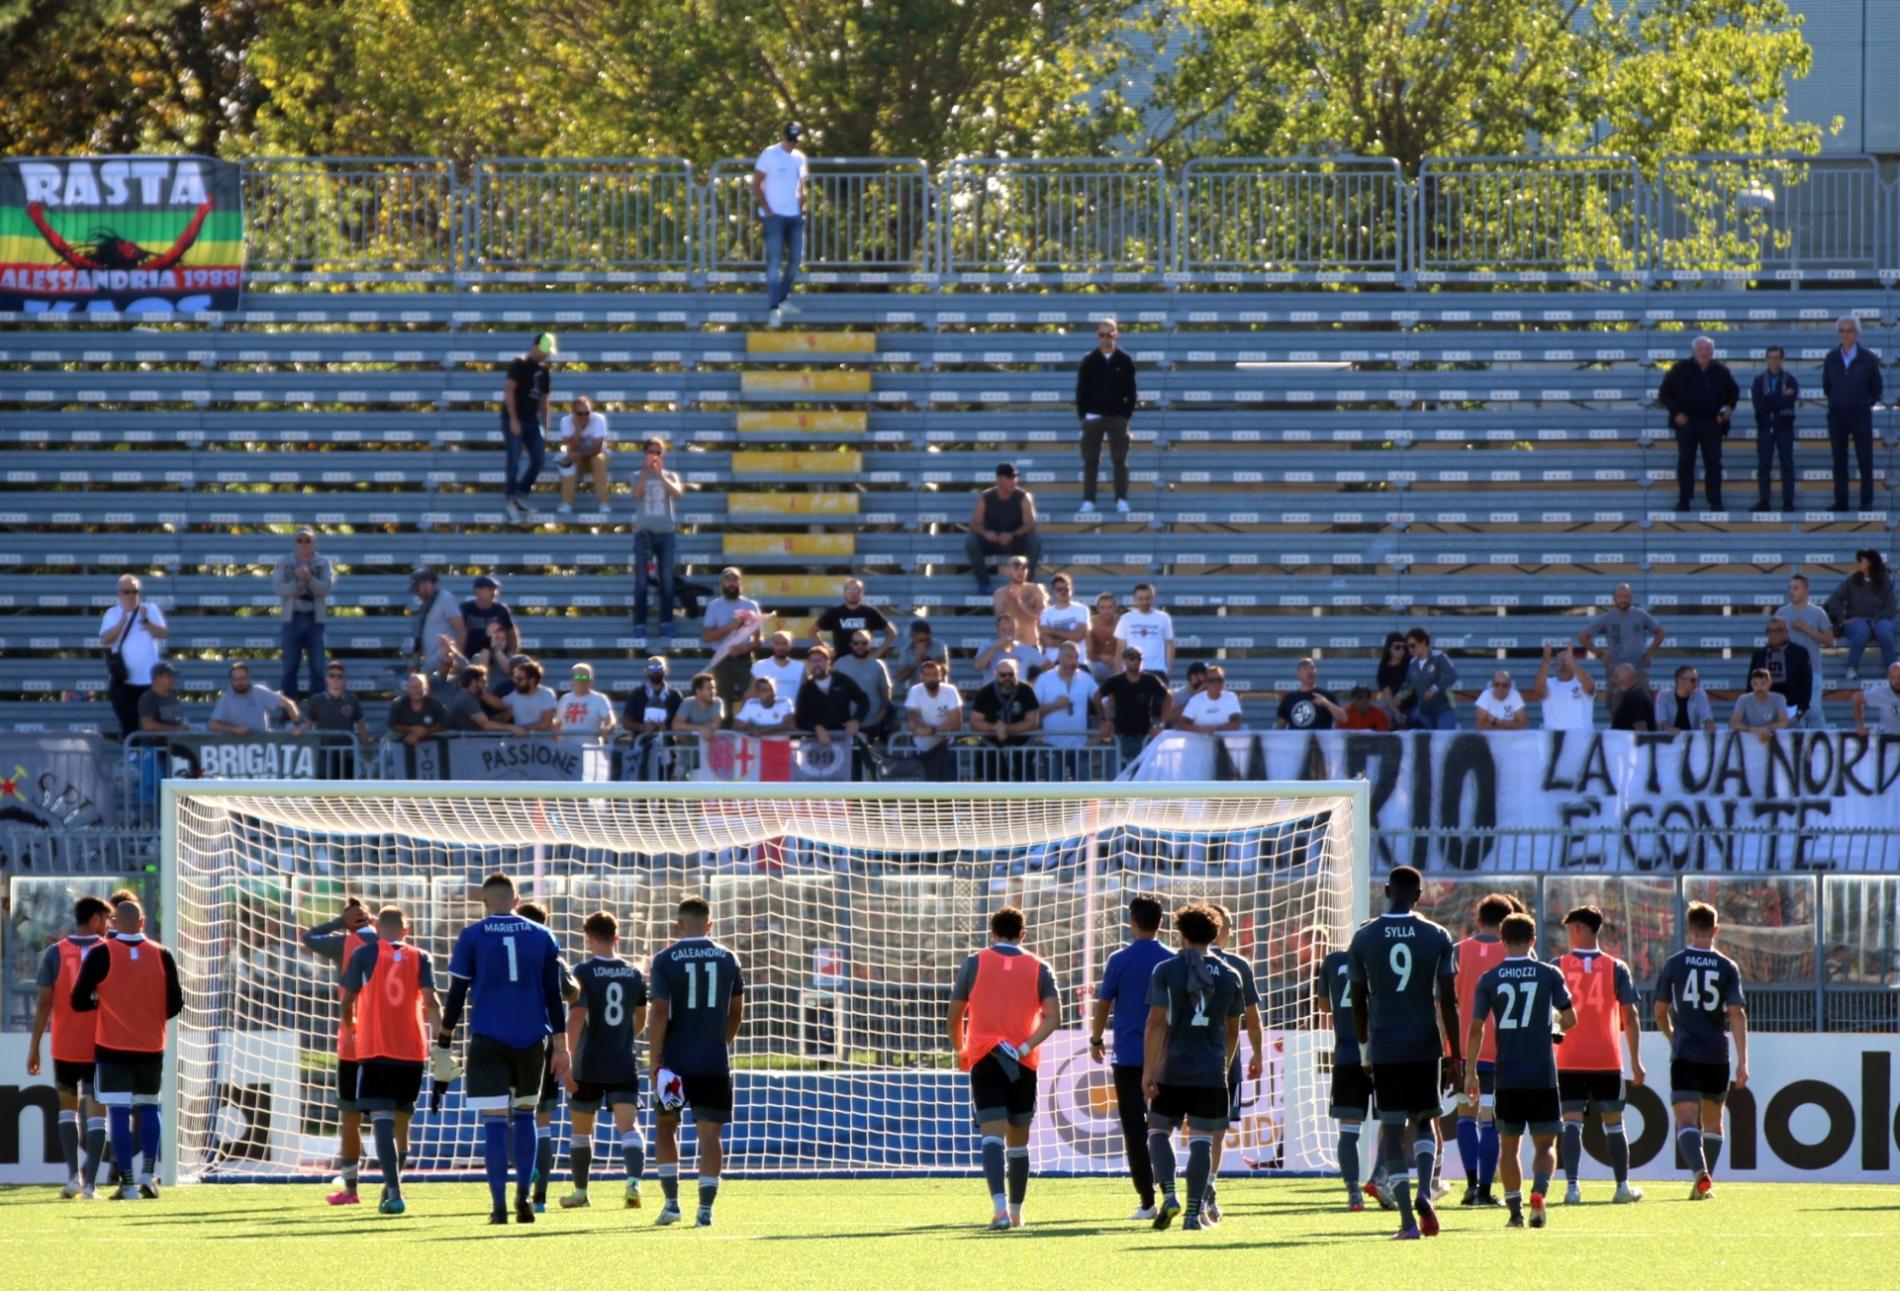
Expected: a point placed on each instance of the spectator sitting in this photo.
(583, 449)
(1196, 682)
(585, 711)
(1002, 523)
(1430, 676)
(1761, 711)
(303, 581)
(1501, 707)
(933, 712)
(335, 709)
(1864, 607)
(416, 715)
(763, 712)
(1309, 708)
(868, 672)
(828, 701)
(1007, 647)
(467, 706)
(923, 647)
(483, 609)
(1137, 706)
(1148, 630)
(1215, 709)
(1630, 636)
(248, 709)
(1004, 712)
(1388, 683)
(1790, 674)
(841, 621)
(732, 627)
(1022, 600)
(1104, 654)
(1685, 705)
(160, 709)
(1362, 714)
(1567, 696)
(786, 672)
(1885, 703)
(1635, 707)
(439, 628)
(532, 705)
(701, 713)
(1065, 696)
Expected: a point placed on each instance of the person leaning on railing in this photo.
(467, 705)
(702, 712)
(416, 715)
(160, 709)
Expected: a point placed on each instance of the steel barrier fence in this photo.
(1079, 221)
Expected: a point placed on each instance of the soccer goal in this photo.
(849, 906)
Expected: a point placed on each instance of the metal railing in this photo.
(151, 757)
(1079, 221)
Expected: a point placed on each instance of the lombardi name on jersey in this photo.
(613, 970)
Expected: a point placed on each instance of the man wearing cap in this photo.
(478, 613)
(524, 417)
(160, 709)
(1002, 523)
(303, 580)
(780, 183)
(647, 715)
(1136, 704)
(655, 537)
(247, 709)
(435, 613)
(732, 628)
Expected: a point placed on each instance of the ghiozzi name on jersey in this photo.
(1516, 970)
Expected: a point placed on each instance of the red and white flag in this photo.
(728, 757)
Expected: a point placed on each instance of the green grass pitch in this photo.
(785, 1234)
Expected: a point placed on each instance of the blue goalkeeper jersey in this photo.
(513, 968)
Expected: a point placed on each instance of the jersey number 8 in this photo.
(615, 1011)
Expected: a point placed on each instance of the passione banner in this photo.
(143, 235)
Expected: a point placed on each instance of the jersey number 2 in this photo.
(692, 983)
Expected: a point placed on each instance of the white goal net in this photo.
(849, 908)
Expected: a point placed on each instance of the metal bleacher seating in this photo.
(1312, 469)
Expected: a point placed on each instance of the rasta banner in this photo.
(120, 235)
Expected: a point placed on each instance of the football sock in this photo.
(524, 1140)
(1540, 1184)
(1393, 1139)
(1489, 1149)
(1573, 1149)
(1017, 1164)
(580, 1159)
(1349, 1156)
(351, 1173)
(95, 1150)
(1711, 1150)
(1161, 1157)
(633, 1153)
(1689, 1145)
(1515, 1201)
(1426, 1155)
(69, 1140)
(386, 1155)
(122, 1142)
(708, 1190)
(1200, 1167)
(1468, 1147)
(495, 1159)
(993, 1171)
(543, 1160)
(669, 1172)
(1619, 1151)
(148, 1139)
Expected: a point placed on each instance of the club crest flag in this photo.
(122, 235)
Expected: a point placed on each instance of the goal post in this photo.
(849, 907)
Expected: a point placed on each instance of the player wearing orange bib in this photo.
(1477, 1126)
(133, 985)
(389, 1002)
(1589, 1066)
(338, 941)
(1003, 1005)
(73, 1046)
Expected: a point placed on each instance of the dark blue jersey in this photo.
(1125, 986)
(1698, 986)
(1335, 978)
(1399, 959)
(513, 969)
(1249, 996)
(1200, 992)
(611, 991)
(1517, 997)
(697, 979)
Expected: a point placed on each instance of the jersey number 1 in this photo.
(692, 983)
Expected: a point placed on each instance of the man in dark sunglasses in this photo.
(1104, 401)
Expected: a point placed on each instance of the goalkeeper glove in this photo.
(443, 1068)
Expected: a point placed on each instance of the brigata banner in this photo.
(215, 756)
(1681, 801)
(140, 235)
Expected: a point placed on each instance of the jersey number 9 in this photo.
(1401, 961)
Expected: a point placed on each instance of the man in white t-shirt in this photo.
(933, 712)
(763, 712)
(780, 182)
(1148, 630)
(1877, 707)
(1502, 707)
(1215, 709)
(584, 450)
(1062, 621)
(1066, 696)
(787, 673)
(133, 628)
(584, 710)
(1567, 694)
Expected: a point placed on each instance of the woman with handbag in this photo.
(131, 632)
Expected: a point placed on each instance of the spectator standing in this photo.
(702, 712)
(1774, 394)
(1864, 607)
(416, 715)
(1685, 705)
(733, 626)
(1501, 707)
(1137, 705)
(1789, 673)
(1104, 401)
(867, 672)
(1850, 378)
(828, 702)
(437, 617)
(1065, 698)
(763, 712)
(467, 708)
(1363, 714)
(524, 418)
(133, 632)
(1810, 628)
(655, 538)
(586, 712)
(1388, 682)
(1149, 631)
(248, 709)
(481, 610)
(1006, 647)
(1884, 702)
(584, 449)
(160, 709)
(1566, 694)
(1022, 600)
(532, 705)
(785, 670)
(1006, 715)
(648, 715)
(1306, 708)
(1700, 397)
(303, 581)
(1062, 621)
(335, 709)
(923, 648)
(1630, 635)
(1635, 707)
(1429, 676)
(933, 714)
(1215, 709)
(1103, 654)
(781, 182)
(1760, 711)
(853, 616)
(1002, 523)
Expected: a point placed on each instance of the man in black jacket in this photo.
(1104, 401)
(828, 701)
(1701, 397)
(1774, 393)
(1850, 377)
(1789, 667)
